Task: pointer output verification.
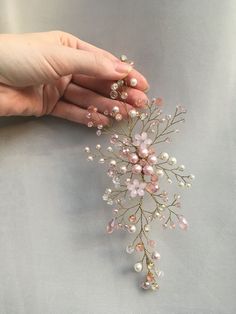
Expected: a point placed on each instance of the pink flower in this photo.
(136, 188)
(142, 140)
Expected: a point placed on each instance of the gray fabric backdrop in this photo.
(54, 254)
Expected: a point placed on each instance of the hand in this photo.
(55, 73)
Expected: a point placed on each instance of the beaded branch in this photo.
(138, 172)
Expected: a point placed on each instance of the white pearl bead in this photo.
(138, 267)
(188, 185)
(172, 161)
(181, 184)
(132, 113)
(160, 173)
(123, 58)
(169, 180)
(192, 176)
(98, 146)
(133, 82)
(112, 162)
(115, 109)
(147, 228)
(164, 156)
(123, 169)
(132, 228)
(87, 149)
(181, 167)
(109, 149)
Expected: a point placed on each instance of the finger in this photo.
(74, 42)
(84, 98)
(64, 61)
(76, 114)
(103, 87)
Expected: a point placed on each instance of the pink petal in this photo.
(135, 183)
(142, 185)
(133, 193)
(137, 136)
(144, 136)
(140, 192)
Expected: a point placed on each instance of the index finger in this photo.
(74, 42)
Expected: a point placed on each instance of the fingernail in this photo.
(123, 67)
(147, 89)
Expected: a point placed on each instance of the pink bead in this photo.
(151, 243)
(156, 255)
(125, 151)
(152, 187)
(133, 158)
(154, 178)
(111, 226)
(152, 160)
(136, 169)
(143, 152)
(143, 162)
(148, 170)
(183, 224)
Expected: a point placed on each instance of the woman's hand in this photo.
(55, 73)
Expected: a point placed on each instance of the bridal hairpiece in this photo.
(138, 171)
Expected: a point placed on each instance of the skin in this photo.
(55, 73)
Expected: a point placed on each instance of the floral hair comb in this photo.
(138, 171)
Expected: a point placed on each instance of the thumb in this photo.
(66, 60)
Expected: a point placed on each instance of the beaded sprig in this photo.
(138, 171)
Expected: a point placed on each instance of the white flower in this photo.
(142, 140)
(136, 188)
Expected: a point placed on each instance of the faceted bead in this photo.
(114, 138)
(150, 276)
(139, 247)
(123, 58)
(154, 286)
(113, 94)
(88, 115)
(124, 95)
(183, 224)
(90, 124)
(118, 117)
(98, 132)
(114, 86)
(111, 226)
(152, 188)
(132, 218)
(129, 249)
(146, 285)
(151, 243)
(120, 83)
